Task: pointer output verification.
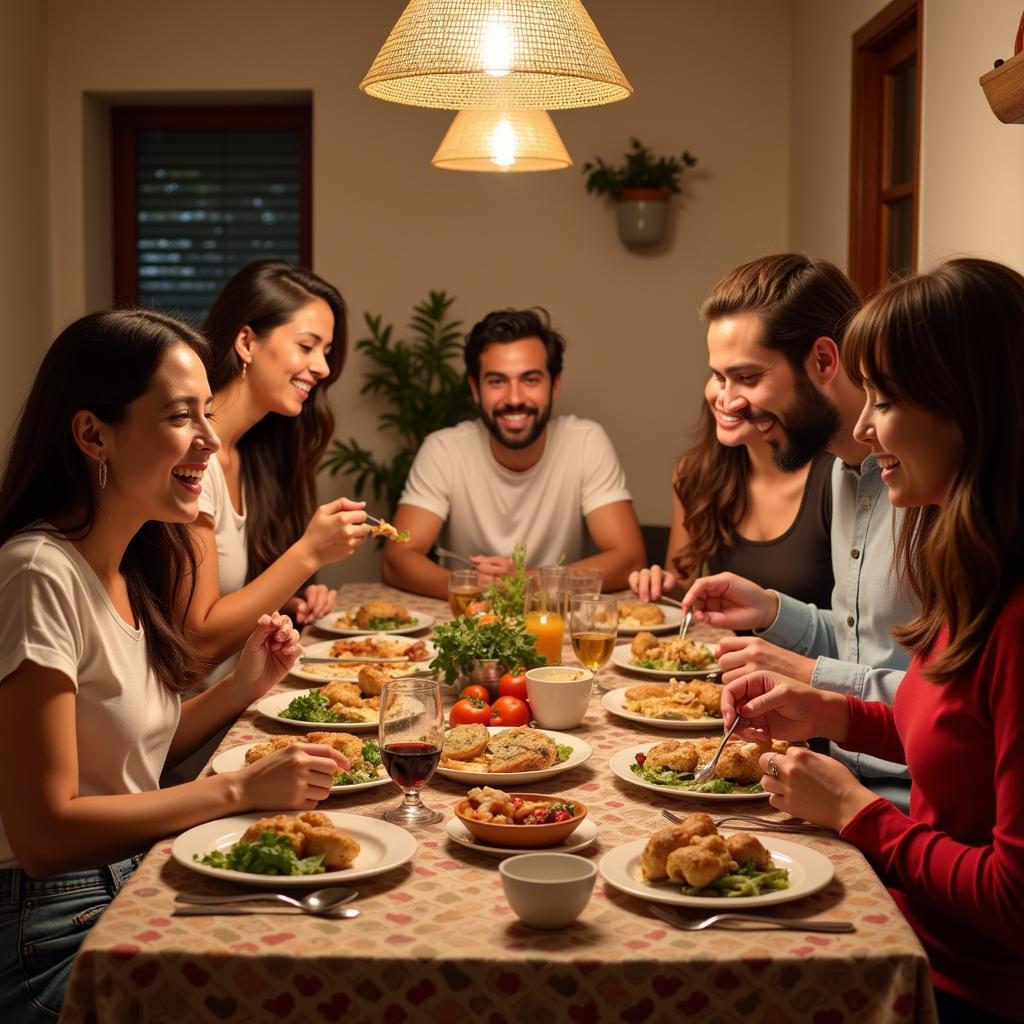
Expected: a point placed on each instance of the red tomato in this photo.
(476, 691)
(513, 684)
(510, 711)
(483, 620)
(469, 711)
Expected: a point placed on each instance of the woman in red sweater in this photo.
(941, 359)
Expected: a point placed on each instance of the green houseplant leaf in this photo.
(640, 170)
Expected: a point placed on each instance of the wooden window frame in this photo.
(127, 121)
(870, 137)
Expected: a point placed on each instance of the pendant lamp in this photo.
(502, 141)
(496, 55)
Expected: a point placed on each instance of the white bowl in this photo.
(558, 702)
(547, 890)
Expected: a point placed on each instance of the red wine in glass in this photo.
(410, 764)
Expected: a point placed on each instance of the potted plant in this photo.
(642, 185)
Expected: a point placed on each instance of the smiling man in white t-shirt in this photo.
(516, 474)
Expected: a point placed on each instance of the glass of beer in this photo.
(464, 587)
(593, 628)
(543, 615)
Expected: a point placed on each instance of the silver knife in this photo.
(355, 661)
(225, 909)
(750, 922)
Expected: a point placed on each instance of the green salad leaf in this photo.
(367, 771)
(314, 707)
(685, 780)
(745, 881)
(270, 855)
(390, 623)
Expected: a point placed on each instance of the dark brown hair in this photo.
(102, 363)
(951, 342)
(798, 300)
(507, 325)
(281, 453)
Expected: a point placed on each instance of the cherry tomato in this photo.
(510, 711)
(470, 711)
(476, 691)
(513, 684)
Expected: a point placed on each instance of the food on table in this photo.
(673, 763)
(306, 845)
(337, 702)
(363, 755)
(676, 701)
(476, 691)
(380, 647)
(636, 615)
(563, 675)
(356, 671)
(375, 615)
(511, 750)
(670, 655)
(388, 532)
(706, 863)
(499, 808)
(513, 684)
(510, 711)
(470, 711)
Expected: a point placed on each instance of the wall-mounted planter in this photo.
(643, 215)
(1004, 90)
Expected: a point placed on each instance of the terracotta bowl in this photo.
(523, 836)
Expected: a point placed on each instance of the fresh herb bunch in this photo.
(270, 855)
(506, 597)
(640, 170)
(464, 641)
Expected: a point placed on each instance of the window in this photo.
(885, 145)
(201, 191)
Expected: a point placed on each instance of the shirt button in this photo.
(849, 621)
(855, 553)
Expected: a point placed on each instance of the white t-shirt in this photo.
(489, 509)
(55, 613)
(228, 529)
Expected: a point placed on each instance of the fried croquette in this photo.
(700, 863)
(745, 848)
(676, 755)
(338, 848)
(380, 610)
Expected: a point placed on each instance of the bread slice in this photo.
(465, 742)
(522, 750)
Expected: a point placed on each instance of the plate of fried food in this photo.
(694, 704)
(366, 770)
(692, 864)
(285, 850)
(637, 616)
(332, 707)
(374, 617)
(370, 674)
(508, 755)
(668, 767)
(667, 657)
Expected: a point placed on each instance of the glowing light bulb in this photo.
(503, 144)
(496, 48)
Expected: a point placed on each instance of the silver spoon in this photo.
(707, 771)
(320, 901)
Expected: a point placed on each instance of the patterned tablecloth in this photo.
(436, 940)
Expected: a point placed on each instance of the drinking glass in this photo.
(593, 628)
(464, 587)
(585, 582)
(411, 735)
(543, 614)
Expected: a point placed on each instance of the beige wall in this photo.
(709, 77)
(24, 241)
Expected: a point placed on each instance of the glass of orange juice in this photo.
(543, 614)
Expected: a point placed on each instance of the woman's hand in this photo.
(317, 601)
(297, 777)
(775, 707)
(813, 787)
(729, 601)
(650, 584)
(740, 655)
(336, 530)
(268, 654)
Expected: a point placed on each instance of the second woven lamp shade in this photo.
(512, 140)
(496, 54)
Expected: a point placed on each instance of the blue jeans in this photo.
(42, 923)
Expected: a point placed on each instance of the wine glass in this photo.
(593, 628)
(465, 587)
(585, 582)
(411, 735)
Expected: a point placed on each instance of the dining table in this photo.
(436, 940)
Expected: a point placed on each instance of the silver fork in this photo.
(684, 626)
(707, 771)
(445, 553)
(765, 824)
(745, 921)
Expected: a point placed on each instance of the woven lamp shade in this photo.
(513, 140)
(494, 55)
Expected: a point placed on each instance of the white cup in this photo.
(559, 695)
(547, 890)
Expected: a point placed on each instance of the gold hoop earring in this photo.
(103, 473)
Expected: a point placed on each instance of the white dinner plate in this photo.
(342, 673)
(383, 846)
(673, 616)
(232, 759)
(421, 620)
(581, 752)
(580, 839)
(620, 761)
(808, 869)
(615, 702)
(272, 706)
(622, 656)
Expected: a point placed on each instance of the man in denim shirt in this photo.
(775, 326)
